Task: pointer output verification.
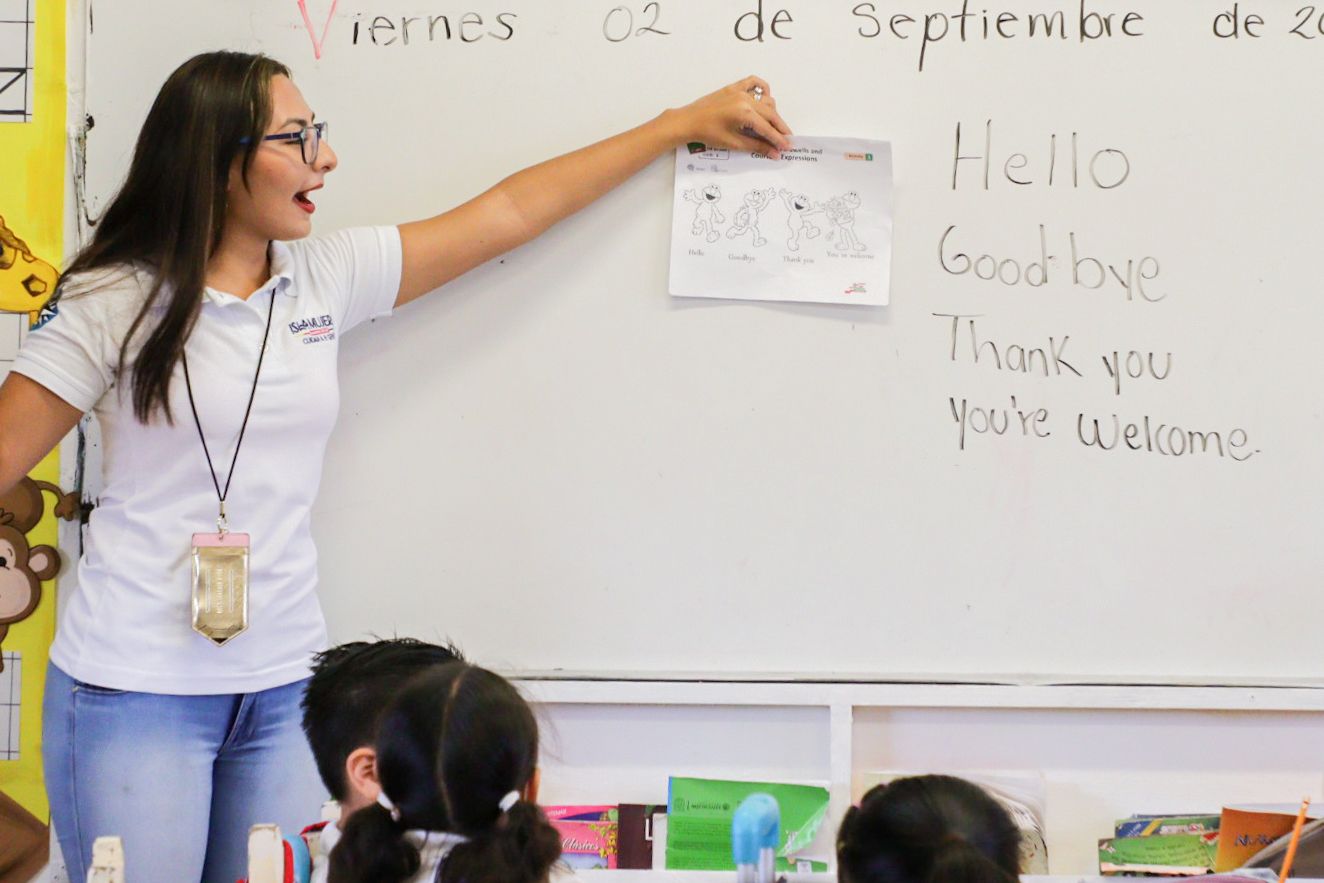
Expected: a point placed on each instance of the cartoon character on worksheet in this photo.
(746, 219)
(840, 212)
(706, 213)
(798, 225)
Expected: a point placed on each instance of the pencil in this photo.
(1296, 838)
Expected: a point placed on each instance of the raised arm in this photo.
(32, 421)
(524, 205)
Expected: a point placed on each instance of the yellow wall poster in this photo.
(32, 171)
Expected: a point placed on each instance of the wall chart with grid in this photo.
(11, 680)
(17, 58)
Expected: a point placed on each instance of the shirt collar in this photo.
(434, 845)
(282, 267)
(281, 281)
(330, 836)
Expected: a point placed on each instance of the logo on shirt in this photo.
(314, 329)
(47, 312)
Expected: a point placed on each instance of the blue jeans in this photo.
(180, 779)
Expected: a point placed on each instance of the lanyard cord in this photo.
(222, 525)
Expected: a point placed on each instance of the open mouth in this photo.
(302, 201)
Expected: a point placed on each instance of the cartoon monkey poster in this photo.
(23, 566)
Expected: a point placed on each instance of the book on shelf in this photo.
(636, 834)
(1181, 844)
(1247, 829)
(614, 836)
(1149, 825)
(589, 835)
(1158, 855)
(700, 812)
(1309, 861)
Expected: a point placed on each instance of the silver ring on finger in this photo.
(757, 92)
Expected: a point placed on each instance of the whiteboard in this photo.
(560, 466)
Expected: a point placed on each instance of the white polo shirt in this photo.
(128, 625)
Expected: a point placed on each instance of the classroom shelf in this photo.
(712, 690)
(1104, 750)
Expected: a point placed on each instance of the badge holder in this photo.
(220, 583)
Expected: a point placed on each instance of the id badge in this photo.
(220, 585)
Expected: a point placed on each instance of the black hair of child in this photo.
(928, 829)
(351, 686)
(454, 743)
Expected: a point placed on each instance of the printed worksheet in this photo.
(814, 226)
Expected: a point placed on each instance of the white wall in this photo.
(744, 487)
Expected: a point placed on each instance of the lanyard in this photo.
(222, 524)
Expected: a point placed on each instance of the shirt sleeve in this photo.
(71, 353)
(361, 267)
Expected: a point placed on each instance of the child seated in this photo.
(457, 755)
(928, 829)
(351, 686)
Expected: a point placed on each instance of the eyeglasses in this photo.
(310, 138)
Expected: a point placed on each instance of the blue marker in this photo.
(755, 833)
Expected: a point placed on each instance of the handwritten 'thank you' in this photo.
(814, 226)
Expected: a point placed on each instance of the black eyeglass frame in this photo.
(319, 134)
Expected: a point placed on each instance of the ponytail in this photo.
(373, 849)
(957, 860)
(520, 847)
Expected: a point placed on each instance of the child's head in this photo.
(457, 751)
(350, 688)
(925, 829)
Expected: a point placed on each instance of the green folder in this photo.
(699, 813)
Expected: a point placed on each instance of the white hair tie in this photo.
(508, 801)
(385, 802)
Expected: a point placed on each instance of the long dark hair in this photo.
(169, 214)
(928, 829)
(453, 744)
